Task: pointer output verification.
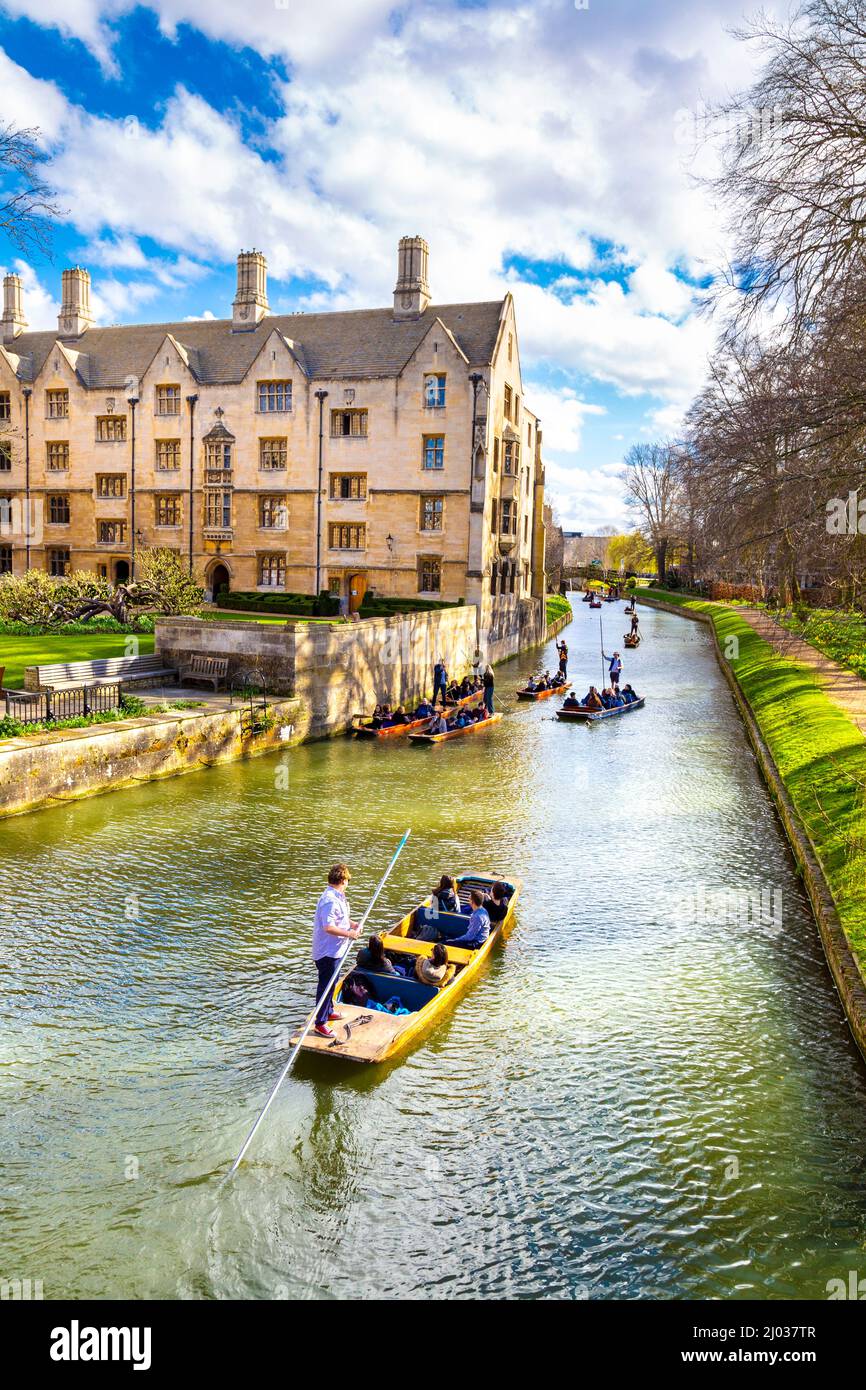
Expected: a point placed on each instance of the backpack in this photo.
(355, 992)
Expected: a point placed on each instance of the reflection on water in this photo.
(636, 1100)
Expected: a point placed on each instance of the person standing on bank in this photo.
(440, 681)
(489, 682)
(563, 659)
(333, 923)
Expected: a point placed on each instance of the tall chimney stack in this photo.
(251, 301)
(13, 321)
(75, 316)
(412, 294)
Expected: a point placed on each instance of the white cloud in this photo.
(562, 414)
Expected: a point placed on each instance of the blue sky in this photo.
(543, 147)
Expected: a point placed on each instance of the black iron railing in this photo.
(48, 706)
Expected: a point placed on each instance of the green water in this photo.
(640, 1097)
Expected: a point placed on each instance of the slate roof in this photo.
(357, 343)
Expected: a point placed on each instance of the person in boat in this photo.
(433, 971)
(606, 697)
(628, 695)
(376, 721)
(445, 897)
(333, 924)
(618, 701)
(615, 670)
(440, 681)
(563, 659)
(372, 957)
(571, 702)
(478, 928)
(439, 725)
(424, 710)
(592, 700)
(400, 716)
(496, 902)
(488, 681)
(635, 623)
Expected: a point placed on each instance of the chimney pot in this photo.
(75, 316)
(412, 292)
(13, 321)
(251, 300)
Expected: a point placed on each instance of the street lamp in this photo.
(132, 402)
(321, 397)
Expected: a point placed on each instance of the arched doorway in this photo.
(121, 571)
(357, 590)
(219, 579)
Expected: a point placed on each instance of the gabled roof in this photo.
(359, 343)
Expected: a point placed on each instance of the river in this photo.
(645, 1096)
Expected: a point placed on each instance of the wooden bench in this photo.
(205, 668)
(129, 670)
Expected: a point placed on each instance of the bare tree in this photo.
(653, 490)
(27, 207)
(793, 160)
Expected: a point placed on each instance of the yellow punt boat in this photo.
(457, 733)
(366, 1035)
(544, 694)
(360, 724)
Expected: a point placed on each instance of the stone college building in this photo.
(380, 449)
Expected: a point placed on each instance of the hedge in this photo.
(298, 605)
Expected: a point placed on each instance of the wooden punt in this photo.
(631, 639)
(457, 733)
(385, 1035)
(414, 726)
(593, 716)
(596, 603)
(543, 694)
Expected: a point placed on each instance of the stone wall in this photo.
(336, 669)
(522, 625)
(66, 765)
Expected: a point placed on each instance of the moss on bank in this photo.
(820, 755)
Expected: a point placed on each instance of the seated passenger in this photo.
(628, 695)
(376, 721)
(439, 725)
(400, 715)
(496, 902)
(372, 957)
(606, 698)
(593, 700)
(445, 896)
(424, 710)
(466, 687)
(478, 929)
(434, 970)
(617, 702)
(571, 701)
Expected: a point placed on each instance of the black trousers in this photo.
(325, 966)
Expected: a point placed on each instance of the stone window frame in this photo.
(54, 449)
(356, 416)
(59, 561)
(218, 500)
(428, 497)
(218, 453)
(273, 512)
(5, 456)
(57, 403)
(440, 389)
(270, 445)
(428, 449)
(510, 458)
(347, 535)
(271, 566)
(427, 566)
(360, 495)
(274, 397)
(507, 402)
(160, 448)
(111, 429)
(59, 502)
(164, 396)
(117, 538)
(105, 485)
(5, 559)
(507, 516)
(5, 405)
(167, 504)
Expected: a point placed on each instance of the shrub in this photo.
(167, 584)
(298, 605)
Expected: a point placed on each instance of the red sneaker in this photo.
(334, 1017)
(323, 1030)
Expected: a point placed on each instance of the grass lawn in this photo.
(557, 607)
(18, 652)
(820, 755)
